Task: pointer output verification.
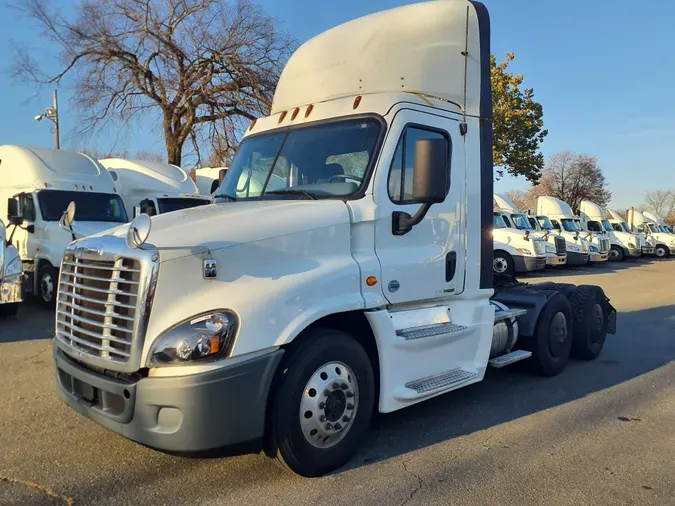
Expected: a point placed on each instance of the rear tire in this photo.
(552, 340)
(322, 407)
(616, 254)
(48, 277)
(502, 263)
(590, 322)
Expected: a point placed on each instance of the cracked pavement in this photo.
(600, 433)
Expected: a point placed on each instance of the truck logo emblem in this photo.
(394, 285)
(210, 268)
(88, 251)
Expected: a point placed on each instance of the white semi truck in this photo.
(153, 187)
(663, 242)
(208, 179)
(287, 316)
(36, 185)
(621, 227)
(515, 251)
(10, 276)
(659, 221)
(556, 250)
(622, 244)
(563, 219)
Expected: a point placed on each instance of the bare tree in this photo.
(572, 178)
(521, 198)
(660, 202)
(207, 67)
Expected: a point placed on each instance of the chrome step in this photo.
(509, 358)
(436, 329)
(439, 381)
(508, 314)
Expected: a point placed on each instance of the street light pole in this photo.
(57, 143)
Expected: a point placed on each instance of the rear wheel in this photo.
(661, 251)
(616, 254)
(47, 280)
(323, 404)
(590, 322)
(552, 339)
(502, 263)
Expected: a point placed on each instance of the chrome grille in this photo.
(539, 247)
(603, 242)
(97, 304)
(638, 242)
(560, 246)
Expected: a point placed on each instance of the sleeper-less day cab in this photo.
(622, 244)
(153, 187)
(358, 277)
(36, 185)
(620, 226)
(10, 276)
(515, 251)
(663, 242)
(514, 218)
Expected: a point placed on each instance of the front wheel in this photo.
(616, 254)
(47, 280)
(323, 404)
(661, 251)
(502, 263)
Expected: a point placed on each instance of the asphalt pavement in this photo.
(602, 432)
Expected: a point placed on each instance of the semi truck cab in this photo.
(360, 281)
(516, 250)
(662, 242)
(623, 244)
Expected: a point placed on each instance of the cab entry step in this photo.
(509, 358)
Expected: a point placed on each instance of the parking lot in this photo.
(600, 433)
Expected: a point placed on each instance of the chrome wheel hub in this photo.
(328, 405)
(557, 333)
(47, 288)
(500, 265)
(613, 254)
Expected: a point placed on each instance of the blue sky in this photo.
(603, 70)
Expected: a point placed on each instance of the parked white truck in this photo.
(288, 316)
(622, 244)
(659, 221)
(36, 185)
(153, 187)
(663, 242)
(556, 250)
(563, 219)
(621, 227)
(208, 179)
(515, 251)
(10, 276)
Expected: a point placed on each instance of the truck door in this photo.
(428, 261)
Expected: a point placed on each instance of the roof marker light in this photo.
(309, 110)
(76, 187)
(295, 113)
(283, 115)
(357, 101)
(253, 124)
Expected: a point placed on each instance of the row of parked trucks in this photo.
(345, 267)
(554, 235)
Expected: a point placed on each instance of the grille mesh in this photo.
(560, 247)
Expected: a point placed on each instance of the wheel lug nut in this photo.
(336, 385)
(344, 386)
(329, 426)
(338, 426)
(326, 392)
(350, 406)
(350, 395)
(322, 405)
(322, 418)
(345, 419)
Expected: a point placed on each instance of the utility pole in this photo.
(57, 143)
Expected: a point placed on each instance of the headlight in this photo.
(594, 249)
(631, 245)
(524, 251)
(550, 248)
(572, 247)
(13, 268)
(205, 337)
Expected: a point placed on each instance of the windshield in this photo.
(570, 225)
(621, 227)
(544, 222)
(593, 226)
(320, 161)
(653, 228)
(89, 206)
(607, 226)
(521, 222)
(533, 221)
(498, 221)
(166, 205)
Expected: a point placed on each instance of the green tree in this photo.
(518, 124)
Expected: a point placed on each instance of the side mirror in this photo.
(430, 182)
(139, 231)
(3, 235)
(221, 176)
(137, 210)
(14, 214)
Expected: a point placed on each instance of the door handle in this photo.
(450, 266)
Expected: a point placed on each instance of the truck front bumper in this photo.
(599, 257)
(574, 258)
(553, 260)
(528, 264)
(633, 252)
(647, 250)
(204, 411)
(10, 291)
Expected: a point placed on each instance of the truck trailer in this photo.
(285, 316)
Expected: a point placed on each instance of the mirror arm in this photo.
(402, 223)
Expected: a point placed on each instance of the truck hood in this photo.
(225, 225)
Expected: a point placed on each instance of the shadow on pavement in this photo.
(598, 268)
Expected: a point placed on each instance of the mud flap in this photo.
(611, 319)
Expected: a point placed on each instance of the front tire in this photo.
(552, 340)
(502, 263)
(661, 251)
(322, 407)
(590, 322)
(616, 254)
(47, 285)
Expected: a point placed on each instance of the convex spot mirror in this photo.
(139, 231)
(68, 216)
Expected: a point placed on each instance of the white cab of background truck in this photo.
(659, 221)
(556, 249)
(10, 276)
(359, 280)
(663, 242)
(622, 244)
(620, 226)
(36, 186)
(208, 179)
(153, 187)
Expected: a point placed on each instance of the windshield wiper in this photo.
(292, 191)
